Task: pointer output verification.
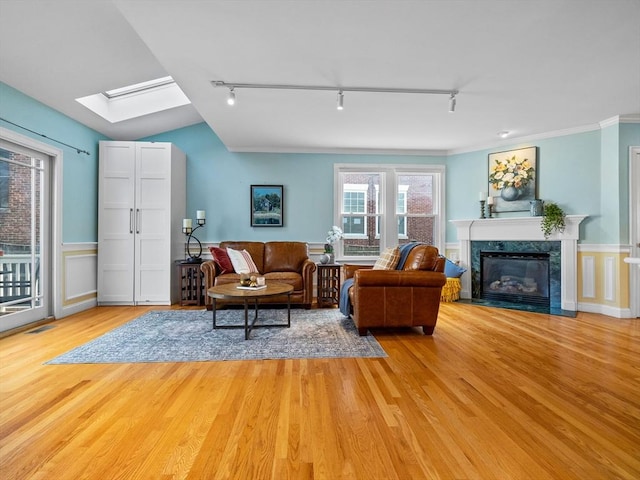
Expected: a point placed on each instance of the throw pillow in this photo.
(221, 259)
(388, 260)
(242, 261)
(451, 270)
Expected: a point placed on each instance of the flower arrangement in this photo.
(333, 236)
(511, 172)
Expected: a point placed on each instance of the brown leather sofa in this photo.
(284, 262)
(398, 298)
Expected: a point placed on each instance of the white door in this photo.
(25, 243)
(116, 226)
(153, 216)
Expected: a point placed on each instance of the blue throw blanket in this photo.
(345, 302)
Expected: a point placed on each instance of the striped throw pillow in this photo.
(242, 261)
(388, 260)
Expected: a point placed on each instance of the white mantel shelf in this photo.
(524, 229)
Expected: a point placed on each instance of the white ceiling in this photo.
(526, 66)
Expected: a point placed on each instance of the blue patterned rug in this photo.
(187, 336)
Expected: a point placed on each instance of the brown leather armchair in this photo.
(398, 298)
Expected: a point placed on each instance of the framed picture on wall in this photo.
(513, 179)
(267, 206)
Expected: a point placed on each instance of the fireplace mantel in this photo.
(523, 228)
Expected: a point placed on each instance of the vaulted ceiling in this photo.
(527, 67)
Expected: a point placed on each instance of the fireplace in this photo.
(522, 234)
(517, 277)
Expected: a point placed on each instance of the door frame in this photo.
(55, 227)
(634, 229)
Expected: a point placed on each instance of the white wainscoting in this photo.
(589, 276)
(78, 286)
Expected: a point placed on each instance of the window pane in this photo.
(402, 227)
(20, 240)
(4, 184)
(353, 202)
(353, 225)
(419, 191)
(420, 229)
(360, 196)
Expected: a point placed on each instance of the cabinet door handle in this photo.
(131, 220)
(137, 220)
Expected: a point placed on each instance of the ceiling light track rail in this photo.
(428, 91)
(341, 90)
(79, 150)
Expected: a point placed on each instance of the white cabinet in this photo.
(141, 204)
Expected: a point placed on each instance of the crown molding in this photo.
(618, 119)
(343, 151)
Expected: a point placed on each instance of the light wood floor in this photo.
(493, 394)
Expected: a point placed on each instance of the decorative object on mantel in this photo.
(333, 235)
(553, 219)
(537, 208)
(187, 229)
(490, 202)
(483, 195)
(512, 174)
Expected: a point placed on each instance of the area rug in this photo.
(187, 336)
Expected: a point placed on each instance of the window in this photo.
(388, 205)
(4, 179)
(134, 101)
(354, 199)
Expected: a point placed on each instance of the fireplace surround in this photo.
(514, 234)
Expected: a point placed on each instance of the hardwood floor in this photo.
(493, 394)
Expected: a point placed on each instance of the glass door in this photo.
(24, 223)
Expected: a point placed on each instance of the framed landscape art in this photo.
(513, 179)
(267, 206)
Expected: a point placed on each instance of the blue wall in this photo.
(80, 171)
(568, 174)
(219, 182)
(586, 173)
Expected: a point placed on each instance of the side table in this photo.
(190, 280)
(328, 293)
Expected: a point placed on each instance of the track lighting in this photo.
(231, 86)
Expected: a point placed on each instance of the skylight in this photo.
(136, 100)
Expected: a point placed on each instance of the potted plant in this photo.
(553, 219)
(333, 236)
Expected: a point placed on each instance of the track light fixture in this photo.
(231, 86)
(231, 100)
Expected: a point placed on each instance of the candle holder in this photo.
(482, 202)
(188, 231)
(489, 210)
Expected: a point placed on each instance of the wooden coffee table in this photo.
(231, 291)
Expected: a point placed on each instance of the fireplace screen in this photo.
(521, 277)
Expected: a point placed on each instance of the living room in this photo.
(585, 166)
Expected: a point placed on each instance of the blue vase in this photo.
(537, 208)
(509, 194)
